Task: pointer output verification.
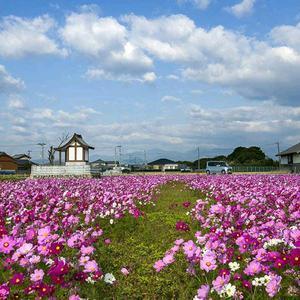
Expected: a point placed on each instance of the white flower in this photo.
(234, 266)
(109, 278)
(230, 289)
(111, 221)
(90, 280)
(49, 262)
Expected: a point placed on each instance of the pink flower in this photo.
(189, 249)
(179, 242)
(254, 267)
(168, 259)
(91, 266)
(87, 250)
(37, 275)
(208, 263)
(43, 234)
(107, 241)
(4, 291)
(6, 244)
(74, 297)
(159, 265)
(220, 281)
(125, 271)
(273, 286)
(203, 292)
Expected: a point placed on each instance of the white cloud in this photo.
(16, 102)
(107, 42)
(8, 83)
(242, 9)
(287, 35)
(168, 98)
(21, 36)
(254, 69)
(201, 4)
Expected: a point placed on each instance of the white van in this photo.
(214, 167)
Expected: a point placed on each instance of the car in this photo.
(214, 167)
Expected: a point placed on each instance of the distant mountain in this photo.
(138, 157)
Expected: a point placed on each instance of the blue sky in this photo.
(171, 75)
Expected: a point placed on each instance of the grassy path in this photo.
(138, 243)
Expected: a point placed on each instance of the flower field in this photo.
(249, 241)
(113, 238)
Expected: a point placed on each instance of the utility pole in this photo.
(278, 151)
(145, 158)
(42, 150)
(120, 155)
(198, 159)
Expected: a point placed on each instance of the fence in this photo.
(256, 169)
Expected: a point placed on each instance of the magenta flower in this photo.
(59, 268)
(182, 226)
(17, 279)
(294, 257)
(55, 248)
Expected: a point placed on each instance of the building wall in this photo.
(296, 158)
(284, 159)
(7, 163)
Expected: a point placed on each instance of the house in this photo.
(75, 154)
(8, 165)
(76, 151)
(290, 158)
(24, 163)
(104, 165)
(22, 156)
(163, 164)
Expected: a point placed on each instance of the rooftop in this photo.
(292, 150)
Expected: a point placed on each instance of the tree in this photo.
(51, 153)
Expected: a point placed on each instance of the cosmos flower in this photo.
(6, 244)
(109, 278)
(37, 275)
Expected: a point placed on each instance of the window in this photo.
(290, 159)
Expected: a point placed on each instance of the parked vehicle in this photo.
(214, 167)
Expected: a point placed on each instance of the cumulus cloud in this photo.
(107, 42)
(242, 9)
(8, 83)
(287, 35)
(22, 36)
(201, 4)
(251, 67)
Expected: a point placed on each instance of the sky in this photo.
(169, 75)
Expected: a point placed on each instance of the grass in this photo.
(138, 243)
